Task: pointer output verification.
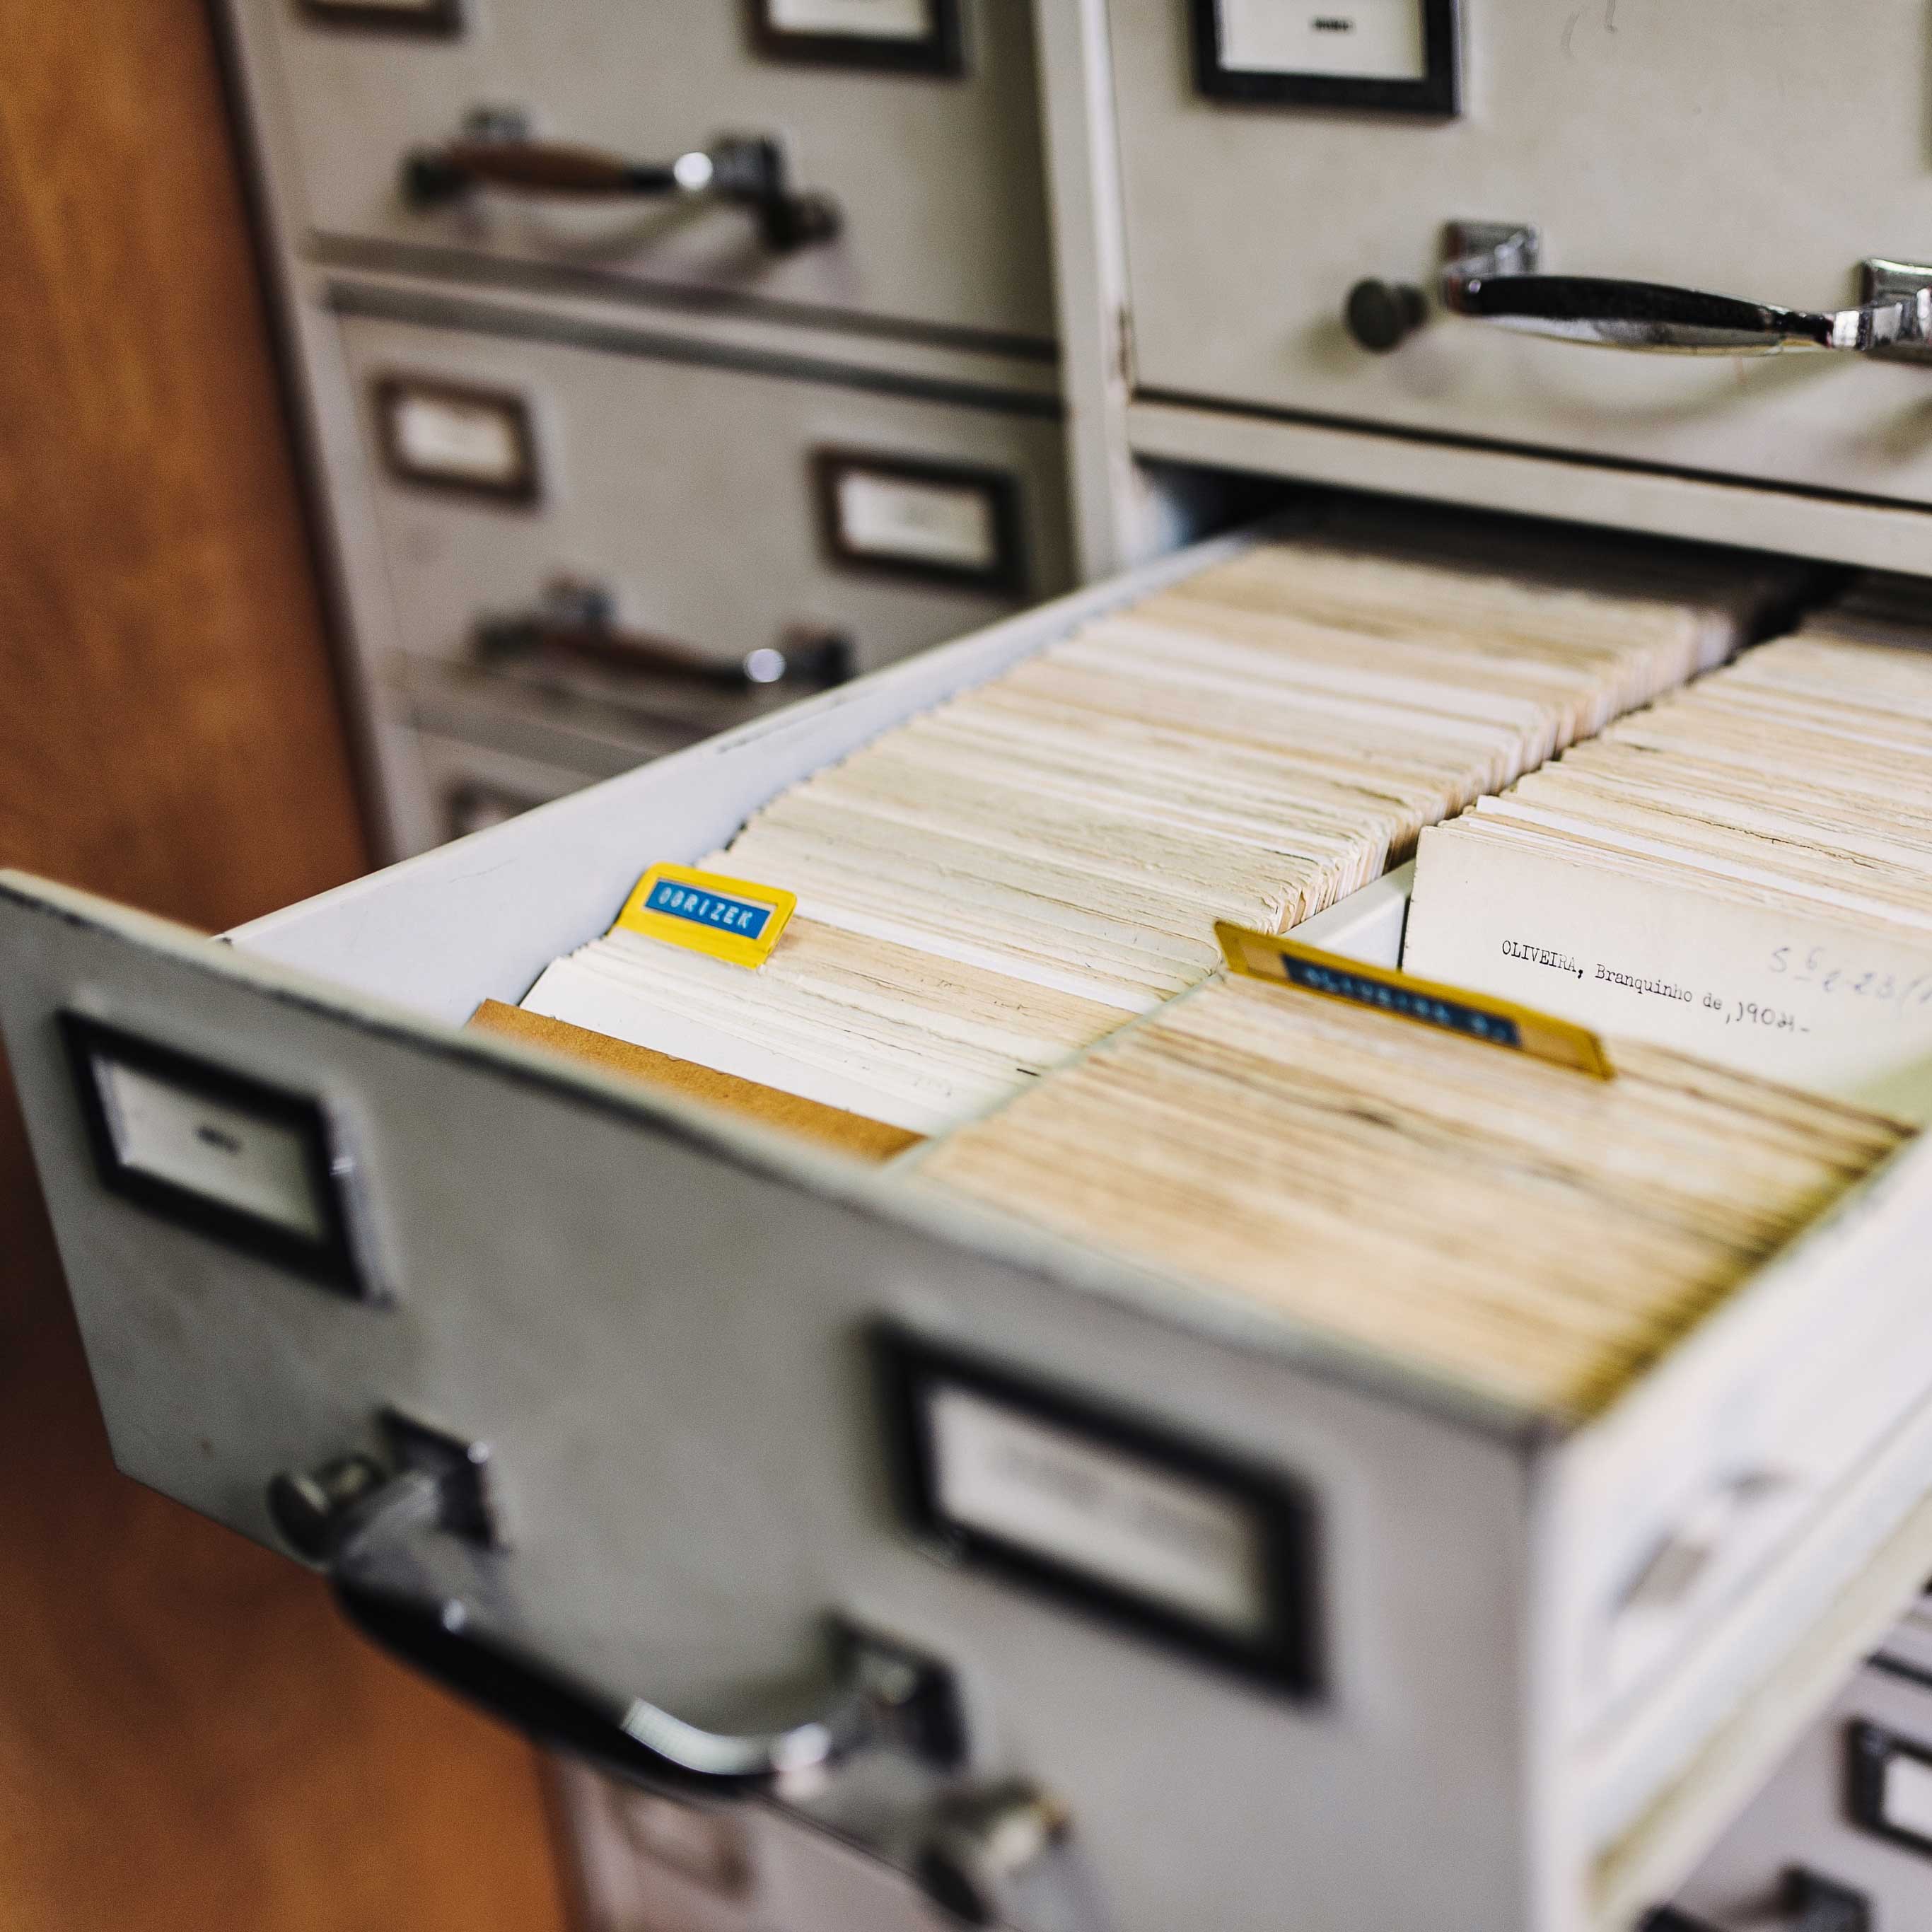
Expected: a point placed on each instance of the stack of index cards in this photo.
(985, 888)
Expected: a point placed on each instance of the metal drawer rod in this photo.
(1493, 275)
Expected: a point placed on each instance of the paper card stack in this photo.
(1743, 872)
(1525, 1231)
(986, 888)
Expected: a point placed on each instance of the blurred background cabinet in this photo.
(593, 312)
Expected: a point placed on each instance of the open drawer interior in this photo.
(553, 1223)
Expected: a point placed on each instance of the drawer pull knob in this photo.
(410, 1574)
(1382, 315)
(574, 626)
(1492, 275)
(746, 171)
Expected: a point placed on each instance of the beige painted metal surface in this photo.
(687, 489)
(1759, 149)
(940, 178)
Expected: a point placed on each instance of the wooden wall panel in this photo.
(189, 1739)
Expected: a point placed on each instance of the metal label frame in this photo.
(389, 391)
(1869, 1750)
(335, 1261)
(940, 51)
(1439, 94)
(1006, 576)
(1285, 1658)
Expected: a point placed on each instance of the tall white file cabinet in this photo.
(666, 361)
(660, 363)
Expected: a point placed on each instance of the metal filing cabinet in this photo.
(531, 361)
(666, 1327)
(670, 1329)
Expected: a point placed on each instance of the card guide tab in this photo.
(731, 919)
(1263, 955)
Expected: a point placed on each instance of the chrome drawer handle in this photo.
(746, 172)
(414, 1566)
(1492, 276)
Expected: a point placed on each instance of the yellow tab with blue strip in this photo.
(731, 919)
(1266, 956)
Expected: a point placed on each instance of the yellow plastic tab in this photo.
(730, 919)
(1265, 955)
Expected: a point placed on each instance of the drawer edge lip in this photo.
(468, 269)
(1877, 532)
(413, 306)
(985, 1233)
(1187, 402)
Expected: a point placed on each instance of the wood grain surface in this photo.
(190, 1741)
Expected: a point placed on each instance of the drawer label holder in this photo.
(907, 36)
(1159, 1534)
(1387, 56)
(252, 1166)
(731, 919)
(947, 524)
(1890, 1787)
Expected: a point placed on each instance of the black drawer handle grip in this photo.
(573, 626)
(746, 172)
(625, 1735)
(414, 1563)
(1809, 1902)
(1493, 276)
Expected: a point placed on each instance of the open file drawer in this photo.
(663, 1324)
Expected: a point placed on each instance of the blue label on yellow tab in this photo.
(1453, 1016)
(713, 909)
(1267, 955)
(732, 919)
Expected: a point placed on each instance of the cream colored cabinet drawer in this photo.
(1761, 149)
(669, 1329)
(1847, 1808)
(726, 501)
(932, 162)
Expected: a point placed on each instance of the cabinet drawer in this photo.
(666, 1325)
(695, 488)
(1758, 150)
(1816, 1813)
(937, 176)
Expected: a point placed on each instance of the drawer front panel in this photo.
(1757, 149)
(663, 1343)
(695, 493)
(938, 179)
(1805, 1818)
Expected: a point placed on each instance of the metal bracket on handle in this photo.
(1493, 274)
